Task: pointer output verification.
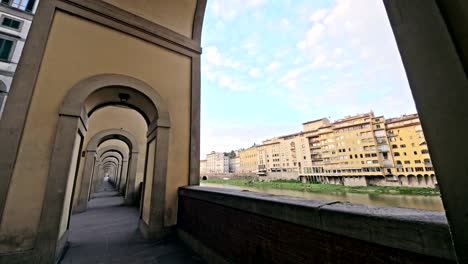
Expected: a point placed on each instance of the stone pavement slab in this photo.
(107, 233)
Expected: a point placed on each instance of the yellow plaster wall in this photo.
(78, 49)
(176, 15)
(113, 117)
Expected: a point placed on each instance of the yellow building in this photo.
(413, 165)
(365, 150)
(248, 160)
(351, 151)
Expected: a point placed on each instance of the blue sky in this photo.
(270, 65)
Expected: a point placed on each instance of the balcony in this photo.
(383, 148)
(387, 163)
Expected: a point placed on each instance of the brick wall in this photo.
(244, 237)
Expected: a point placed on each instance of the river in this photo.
(433, 203)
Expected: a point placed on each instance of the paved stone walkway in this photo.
(107, 233)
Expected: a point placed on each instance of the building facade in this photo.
(248, 160)
(217, 162)
(283, 157)
(15, 20)
(350, 151)
(234, 165)
(203, 169)
(356, 150)
(413, 164)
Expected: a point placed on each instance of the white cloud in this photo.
(313, 36)
(250, 46)
(318, 15)
(272, 66)
(229, 9)
(284, 24)
(254, 72)
(353, 44)
(212, 55)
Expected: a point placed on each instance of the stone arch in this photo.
(433, 179)
(90, 180)
(125, 158)
(402, 180)
(412, 180)
(420, 179)
(78, 105)
(86, 96)
(204, 178)
(426, 180)
(119, 159)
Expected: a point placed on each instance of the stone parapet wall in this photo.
(249, 227)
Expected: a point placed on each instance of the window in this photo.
(394, 146)
(407, 162)
(398, 162)
(424, 151)
(419, 169)
(25, 5)
(417, 161)
(11, 23)
(397, 154)
(402, 146)
(6, 47)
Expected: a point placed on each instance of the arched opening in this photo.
(112, 94)
(90, 181)
(412, 181)
(402, 180)
(426, 180)
(420, 179)
(120, 148)
(204, 178)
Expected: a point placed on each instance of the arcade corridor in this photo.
(107, 233)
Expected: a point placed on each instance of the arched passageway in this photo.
(114, 149)
(90, 181)
(87, 97)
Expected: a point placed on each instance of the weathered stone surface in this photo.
(107, 233)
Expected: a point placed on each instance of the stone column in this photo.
(123, 177)
(86, 179)
(130, 188)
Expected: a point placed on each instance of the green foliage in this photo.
(311, 187)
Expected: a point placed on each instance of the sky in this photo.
(270, 65)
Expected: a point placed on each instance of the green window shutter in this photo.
(5, 49)
(15, 24)
(6, 22)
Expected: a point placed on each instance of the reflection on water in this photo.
(392, 200)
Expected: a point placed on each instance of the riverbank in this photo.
(309, 187)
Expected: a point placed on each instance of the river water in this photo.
(433, 203)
